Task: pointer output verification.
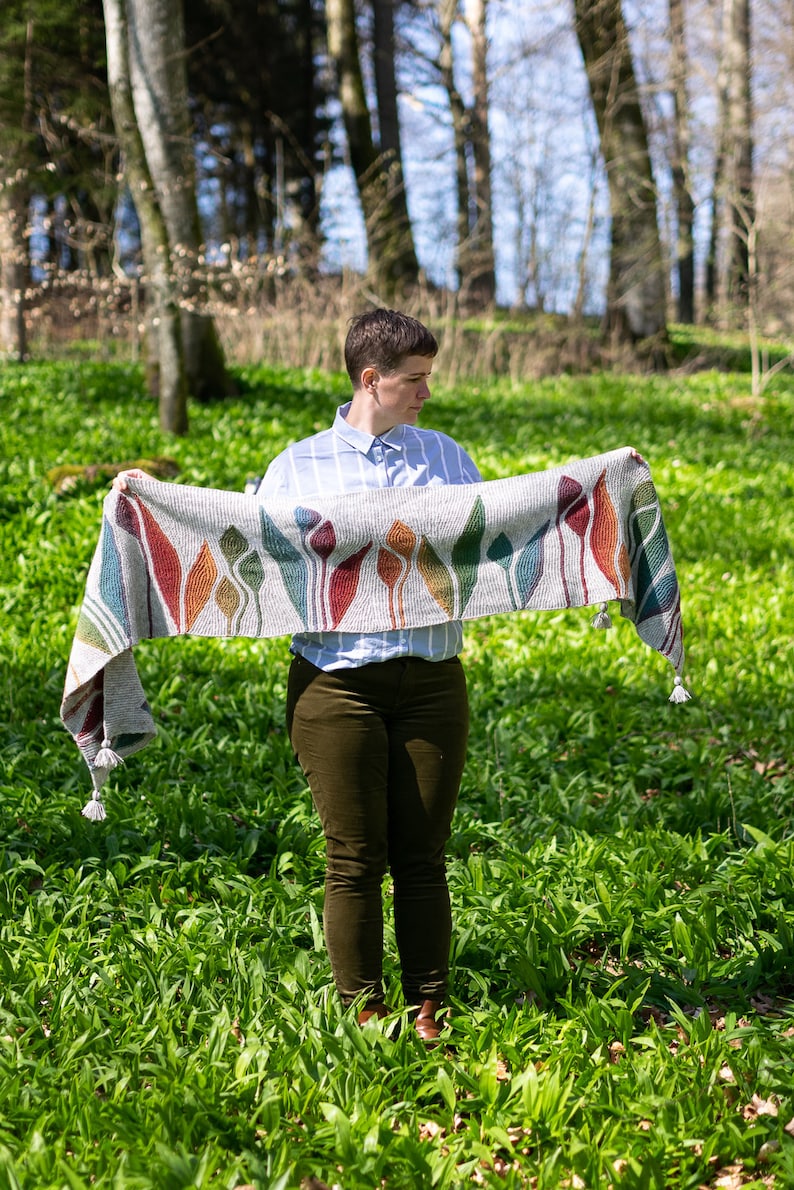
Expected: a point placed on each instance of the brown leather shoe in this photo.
(427, 1024)
(372, 1010)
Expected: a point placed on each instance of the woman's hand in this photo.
(120, 481)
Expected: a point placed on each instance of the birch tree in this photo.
(169, 383)
(682, 191)
(148, 85)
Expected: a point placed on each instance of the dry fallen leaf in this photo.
(429, 1129)
(759, 1107)
(729, 1177)
(616, 1051)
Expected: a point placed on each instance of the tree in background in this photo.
(739, 149)
(57, 154)
(680, 166)
(728, 278)
(635, 299)
(165, 347)
(148, 85)
(475, 262)
(393, 265)
(17, 160)
(257, 100)
(479, 264)
(495, 128)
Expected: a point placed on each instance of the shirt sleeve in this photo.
(469, 469)
(273, 481)
(460, 467)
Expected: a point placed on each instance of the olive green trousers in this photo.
(383, 748)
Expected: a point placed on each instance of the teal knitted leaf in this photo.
(466, 553)
(292, 566)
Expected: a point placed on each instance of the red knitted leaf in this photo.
(344, 583)
(165, 566)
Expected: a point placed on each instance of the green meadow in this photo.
(622, 869)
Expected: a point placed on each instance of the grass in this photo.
(622, 871)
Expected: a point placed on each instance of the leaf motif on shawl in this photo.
(199, 584)
(252, 573)
(393, 565)
(500, 551)
(436, 577)
(568, 491)
(306, 519)
(656, 592)
(227, 598)
(604, 533)
(466, 553)
(402, 539)
(659, 599)
(111, 580)
(91, 726)
(323, 540)
(251, 570)
(529, 567)
(88, 632)
(389, 567)
(294, 571)
(344, 584)
(233, 544)
(125, 518)
(165, 564)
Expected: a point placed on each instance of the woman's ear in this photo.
(369, 378)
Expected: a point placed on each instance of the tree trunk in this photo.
(14, 253)
(481, 280)
(392, 255)
(635, 306)
(406, 265)
(14, 271)
(682, 194)
(158, 80)
(448, 11)
(740, 189)
(168, 382)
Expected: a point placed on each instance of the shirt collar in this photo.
(361, 440)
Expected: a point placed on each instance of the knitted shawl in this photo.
(174, 560)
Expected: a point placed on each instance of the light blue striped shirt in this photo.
(344, 459)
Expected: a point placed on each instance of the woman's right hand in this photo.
(120, 481)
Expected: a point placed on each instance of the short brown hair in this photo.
(382, 339)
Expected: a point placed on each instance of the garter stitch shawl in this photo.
(174, 559)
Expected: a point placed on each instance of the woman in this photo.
(379, 722)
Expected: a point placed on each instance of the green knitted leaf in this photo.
(466, 553)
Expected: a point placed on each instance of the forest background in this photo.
(238, 177)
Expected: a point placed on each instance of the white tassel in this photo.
(602, 618)
(680, 693)
(106, 758)
(95, 809)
